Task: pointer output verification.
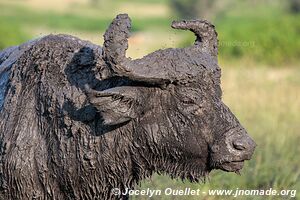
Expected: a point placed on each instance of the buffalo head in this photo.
(173, 100)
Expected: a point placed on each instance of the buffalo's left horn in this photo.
(114, 53)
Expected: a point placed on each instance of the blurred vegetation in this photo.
(259, 44)
(294, 6)
(11, 34)
(265, 32)
(270, 40)
(191, 9)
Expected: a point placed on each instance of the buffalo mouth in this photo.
(232, 166)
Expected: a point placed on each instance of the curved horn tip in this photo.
(203, 29)
(123, 16)
(193, 25)
(121, 21)
(206, 35)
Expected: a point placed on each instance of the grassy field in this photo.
(259, 55)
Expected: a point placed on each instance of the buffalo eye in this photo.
(188, 101)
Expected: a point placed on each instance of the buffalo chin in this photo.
(233, 166)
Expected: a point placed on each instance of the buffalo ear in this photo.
(116, 105)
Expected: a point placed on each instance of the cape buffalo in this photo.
(77, 120)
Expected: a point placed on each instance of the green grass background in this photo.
(260, 77)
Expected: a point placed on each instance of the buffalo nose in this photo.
(244, 144)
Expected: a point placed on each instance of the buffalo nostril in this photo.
(239, 145)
